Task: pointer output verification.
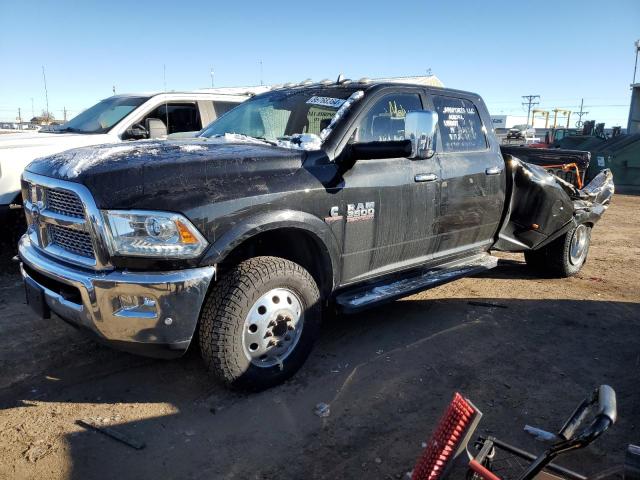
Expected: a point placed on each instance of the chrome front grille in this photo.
(64, 221)
(63, 202)
(71, 240)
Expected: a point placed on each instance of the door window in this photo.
(178, 117)
(461, 129)
(385, 120)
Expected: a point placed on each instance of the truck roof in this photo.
(369, 84)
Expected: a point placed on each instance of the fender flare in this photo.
(274, 220)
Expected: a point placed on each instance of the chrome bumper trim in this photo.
(178, 295)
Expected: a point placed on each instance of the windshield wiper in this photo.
(262, 139)
(64, 130)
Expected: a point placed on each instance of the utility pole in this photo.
(46, 94)
(530, 101)
(19, 119)
(64, 111)
(635, 67)
(113, 89)
(261, 82)
(33, 114)
(211, 73)
(580, 114)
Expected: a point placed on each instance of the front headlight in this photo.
(152, 234)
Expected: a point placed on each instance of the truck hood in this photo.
(148, 174)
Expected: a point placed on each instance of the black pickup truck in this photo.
(303, 200)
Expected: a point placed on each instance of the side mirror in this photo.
(156, 128)
(135, 132)
(420, 129)
(379, 150)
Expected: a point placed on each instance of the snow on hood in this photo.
(71, 163)
(233, 138)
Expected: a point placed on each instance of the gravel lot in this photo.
(387, 374)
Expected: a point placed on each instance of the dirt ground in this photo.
(387, 374)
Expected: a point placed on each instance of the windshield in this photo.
(102, 116)
(283, 115)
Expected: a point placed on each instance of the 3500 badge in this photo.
(361, 211)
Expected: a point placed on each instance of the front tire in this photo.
(259, 323)
(565, 256)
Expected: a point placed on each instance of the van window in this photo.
(460, 126)
(385, 120)
(223, 107)
(178, 117)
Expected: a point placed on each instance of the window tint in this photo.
(385, 120)
(460, 125)
(179, 117)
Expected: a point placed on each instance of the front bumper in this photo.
(91, 300)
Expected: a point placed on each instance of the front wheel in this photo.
(565, 256)
(259, 323)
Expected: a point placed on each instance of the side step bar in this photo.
(361, 298)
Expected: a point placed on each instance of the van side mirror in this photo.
(135, 132)
(420, 129)
(156, 128)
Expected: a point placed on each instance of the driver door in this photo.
(385, 208)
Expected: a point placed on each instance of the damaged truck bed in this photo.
(302, 200)
(543, 205)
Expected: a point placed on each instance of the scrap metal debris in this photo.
(110, 432)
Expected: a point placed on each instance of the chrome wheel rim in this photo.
(272, 327)
(578, 246)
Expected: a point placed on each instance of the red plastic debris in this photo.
(445, 440)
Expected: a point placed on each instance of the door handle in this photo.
(425, 177)
(493, 171)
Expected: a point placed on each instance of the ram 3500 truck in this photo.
(299, 201)
(116, 119)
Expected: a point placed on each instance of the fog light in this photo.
(135, 306)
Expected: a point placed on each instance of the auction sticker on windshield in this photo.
(326, 101)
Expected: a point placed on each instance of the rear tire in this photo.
(565, 256)
(259, 323)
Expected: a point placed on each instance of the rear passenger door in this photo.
(472, 187)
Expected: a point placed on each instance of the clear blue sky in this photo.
(562, 50)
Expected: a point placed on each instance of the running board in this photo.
(364, 297)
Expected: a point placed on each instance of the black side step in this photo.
(361, 298)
